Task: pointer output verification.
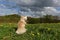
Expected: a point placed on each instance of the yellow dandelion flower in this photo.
(1, 25)
(49, 29)
(38, 33)
(32, 34)
(10, 23)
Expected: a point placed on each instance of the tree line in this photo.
(44, 19)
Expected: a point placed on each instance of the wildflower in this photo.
(1, 25)
(10, 23)
(32, 34)
(49, 29)
(38, 33)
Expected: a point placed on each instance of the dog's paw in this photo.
(21, 31)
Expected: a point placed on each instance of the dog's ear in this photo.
(24, 17)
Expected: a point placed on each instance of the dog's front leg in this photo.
(21, 25)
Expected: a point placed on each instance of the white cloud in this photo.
(51, 11)
(1, 5)
(47, 10)
(4, 11)
(57, 3)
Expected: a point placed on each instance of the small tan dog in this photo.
(21, 25)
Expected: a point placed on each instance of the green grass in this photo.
(34, 32)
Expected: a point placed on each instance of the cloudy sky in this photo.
(32, 8)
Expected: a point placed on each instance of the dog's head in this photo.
(24, 18)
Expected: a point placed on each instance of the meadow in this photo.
(43, 31)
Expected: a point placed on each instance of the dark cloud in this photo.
(33, 8)
(37, 3)
(34, 3)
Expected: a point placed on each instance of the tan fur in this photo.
(21, 25)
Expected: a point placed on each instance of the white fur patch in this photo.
(21, 31)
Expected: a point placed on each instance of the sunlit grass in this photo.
(34, 32)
